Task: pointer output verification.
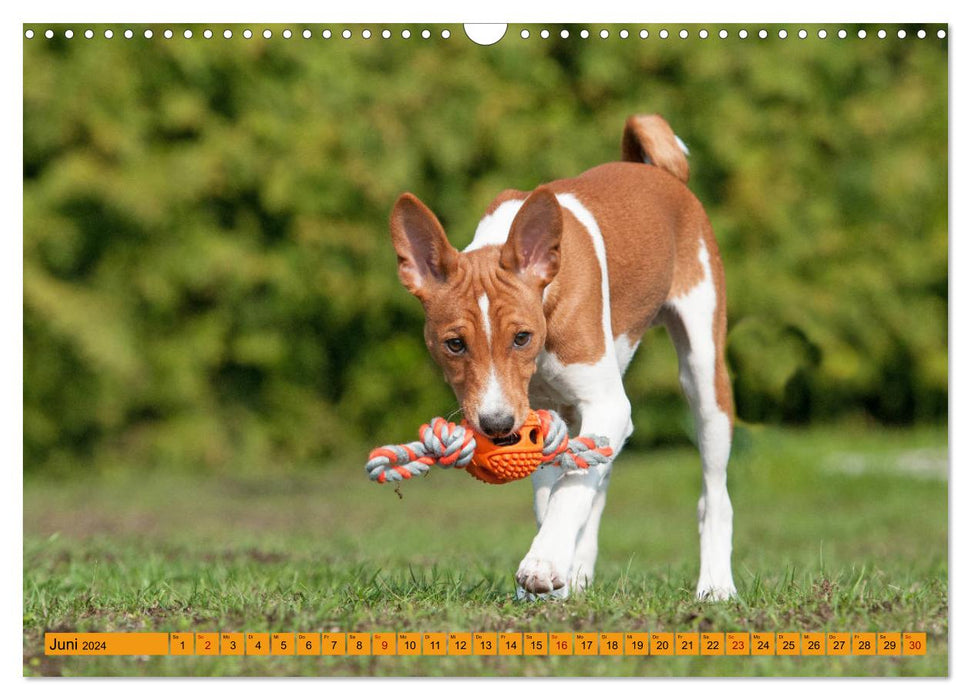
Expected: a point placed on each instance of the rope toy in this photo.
(543, 440)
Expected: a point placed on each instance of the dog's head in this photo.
(484, 320)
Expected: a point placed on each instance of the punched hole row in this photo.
(524, 34)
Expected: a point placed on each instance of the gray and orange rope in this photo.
(453, 444)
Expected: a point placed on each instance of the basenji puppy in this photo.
(545, 309)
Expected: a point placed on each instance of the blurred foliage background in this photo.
(209, 281)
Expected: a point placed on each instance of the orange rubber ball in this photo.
(500, 464)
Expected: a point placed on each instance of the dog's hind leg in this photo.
(695, 319)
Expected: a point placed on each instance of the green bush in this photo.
(208, 277)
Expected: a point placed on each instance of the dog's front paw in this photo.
(537, 575)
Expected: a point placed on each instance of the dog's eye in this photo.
(522, 339)
(456, 346)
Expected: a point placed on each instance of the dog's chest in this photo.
(547, 388)
(557, 384)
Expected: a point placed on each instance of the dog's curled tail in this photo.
(649, 139)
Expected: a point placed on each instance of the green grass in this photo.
(836, 529)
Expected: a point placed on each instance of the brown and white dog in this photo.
(545, 309)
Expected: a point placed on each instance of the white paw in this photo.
(711, 592)
(537, 575)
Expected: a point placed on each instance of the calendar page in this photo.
(336, 334)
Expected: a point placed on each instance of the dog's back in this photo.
(650, 224)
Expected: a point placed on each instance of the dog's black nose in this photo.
(496, 424)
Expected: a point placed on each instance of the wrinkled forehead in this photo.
(480, 283)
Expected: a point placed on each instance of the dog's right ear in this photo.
(425, 257)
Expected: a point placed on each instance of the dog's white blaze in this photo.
(696, 309)
(493, 229)
(493, 400)
(486, 324)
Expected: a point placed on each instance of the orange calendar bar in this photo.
(510, 643)
(561, 643)
(611, 644)
(383, 643)
(460, 644)
(282, 643)
(888, 643)
(637, 644)
(712, 643)
(686, 643)
(333, 643)
(182, 644)
(358, 644)
(232, 644)
(838, 644)
(207, 643)
(737, 644)
(787, 643)
(308, 644)
(536, 643)
(485, 643)
(914, 644)
(813, 644)
(434, 643)
(864, 643)
(409, 643)
(763, 643)
(106, 643)
(584, 644)
(257, 644)
(662, 643)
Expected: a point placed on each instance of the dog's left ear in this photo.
(533, 245)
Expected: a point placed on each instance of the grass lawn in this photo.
(840, 529)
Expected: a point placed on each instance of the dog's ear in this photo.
(425, 257)
(533, 246)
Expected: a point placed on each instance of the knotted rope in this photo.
(453, 445)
